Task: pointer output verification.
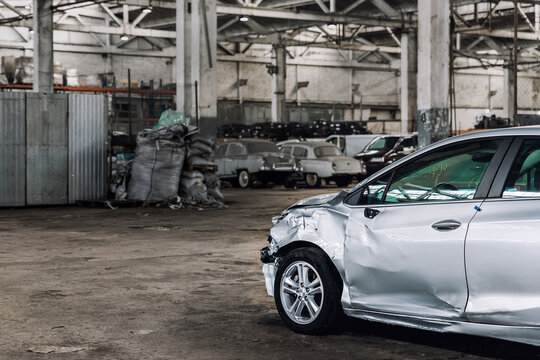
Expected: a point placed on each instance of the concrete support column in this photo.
(508, 94)
(408, 81)
(204, 63)
(433, 71)
(279, 74)
(183, 58)
(43, 46)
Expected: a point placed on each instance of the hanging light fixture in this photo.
(124, 37)
(148, 9)
(244, 18)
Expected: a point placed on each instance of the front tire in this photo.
(312, 180)
(307, 292)
(244, 179)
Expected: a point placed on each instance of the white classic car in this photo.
(321, 160)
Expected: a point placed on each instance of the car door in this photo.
(221, 159)
(235, 154)
(502, 252)
(405, 237)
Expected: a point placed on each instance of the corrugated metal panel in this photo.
(87, 147)
(46, 149)
(12, 149)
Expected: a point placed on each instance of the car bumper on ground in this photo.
(269, 269)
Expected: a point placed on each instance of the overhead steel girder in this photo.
(344, 46)
(99, 29)
(330, 18)
(509, 34)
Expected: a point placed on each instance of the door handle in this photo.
(370, 213)
(446, 225)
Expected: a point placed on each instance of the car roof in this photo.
(312, 144)
(248, 141)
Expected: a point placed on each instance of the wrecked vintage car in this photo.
(445, 239)
(245, 160)
(322, 160)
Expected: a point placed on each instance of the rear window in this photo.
(323, 151)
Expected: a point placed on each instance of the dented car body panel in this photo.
(468, 265)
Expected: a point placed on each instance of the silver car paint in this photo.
(392, 277)
(322, 166)
(228, 165)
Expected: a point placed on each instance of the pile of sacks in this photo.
(167, 167)
(195, 185)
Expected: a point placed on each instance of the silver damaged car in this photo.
(446, 239)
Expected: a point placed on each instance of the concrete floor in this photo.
(147, 283)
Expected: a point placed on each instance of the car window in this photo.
(524, 177)
(235, 150)
(334, 141)
(382, 143)
(286, 150)
(374, 192)
(451, 173)
(262, 147)
(222, 150)
(323, 151)
(299, 152)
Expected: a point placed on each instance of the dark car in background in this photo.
(373, 155)
(405, 146)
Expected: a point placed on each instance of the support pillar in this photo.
(196, 61)
(204, 63)
(43, 46)
(279, 74)
(433, 71)
(508, 94)
(183, 58)
(408, 82)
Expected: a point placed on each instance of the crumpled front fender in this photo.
(322, 226)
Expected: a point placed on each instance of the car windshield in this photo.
(383, 143)
(323, 151)
(257, 147)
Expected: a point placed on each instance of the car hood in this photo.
(370, 153)
(339, 158)
(315, 200)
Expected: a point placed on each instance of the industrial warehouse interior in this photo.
(265, 179)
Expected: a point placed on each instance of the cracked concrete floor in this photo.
(150, 283)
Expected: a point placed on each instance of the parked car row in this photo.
(245, 161)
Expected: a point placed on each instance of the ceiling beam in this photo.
(311, 16)
(500, 33)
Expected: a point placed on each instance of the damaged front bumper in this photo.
(270, 259)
